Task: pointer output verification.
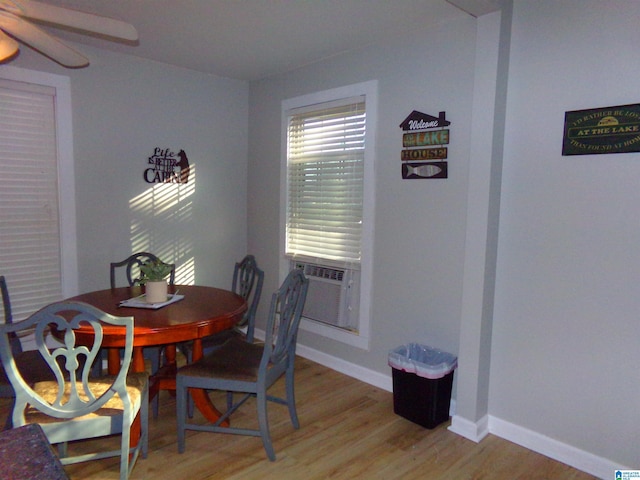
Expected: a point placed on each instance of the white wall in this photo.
(564, 359)
(124, 107)
(419, 224)
(566, 333)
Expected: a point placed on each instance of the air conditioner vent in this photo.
(332, 296)
(319, 271)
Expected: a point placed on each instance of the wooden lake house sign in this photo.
(167, 167)
(423, 142)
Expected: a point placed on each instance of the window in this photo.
(328, 211)
(325, 178)
(37, 219)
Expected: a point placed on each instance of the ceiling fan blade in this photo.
(74, 19)
(41, 41)
(8, 46)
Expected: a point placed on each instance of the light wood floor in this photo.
(348, 431)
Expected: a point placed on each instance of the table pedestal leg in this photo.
(170, 354)
(113, 360)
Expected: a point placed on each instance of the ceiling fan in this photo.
(15, 16)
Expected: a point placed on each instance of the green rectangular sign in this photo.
(602, 130)
(420, 139)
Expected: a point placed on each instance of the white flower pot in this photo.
(156, 292)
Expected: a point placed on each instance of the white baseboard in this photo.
(468, 429)
(562, 452)
(366, 375)
(476, 431)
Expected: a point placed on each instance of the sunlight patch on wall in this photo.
(186, 272)
(160, 218)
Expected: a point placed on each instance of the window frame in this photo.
(66, 173)
(369, 89)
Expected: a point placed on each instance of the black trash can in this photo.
(422, 382)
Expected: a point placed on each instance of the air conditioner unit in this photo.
(333, 294)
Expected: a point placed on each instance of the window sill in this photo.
(350, 338)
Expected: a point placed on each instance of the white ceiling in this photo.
(254, 39)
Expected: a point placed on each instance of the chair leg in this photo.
(263, 421)
(155, 360)
(144, 423)
(96, 368)
(291, 398)
(62, 449)
(156, 405)
(190, 406)
(155, 365)
(125, 446)
(186, 350)
(138, 427)
(181, 412)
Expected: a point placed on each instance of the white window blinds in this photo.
(29, 220)
(325, 176)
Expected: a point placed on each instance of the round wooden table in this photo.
(202, 312)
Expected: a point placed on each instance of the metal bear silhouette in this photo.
(185, 168)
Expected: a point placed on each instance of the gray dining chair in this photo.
(29, 361)
(132, 265)
(249, 368)
(133, 276)
(247, 282)
(74, 405)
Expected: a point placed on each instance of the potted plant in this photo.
(154, 275)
